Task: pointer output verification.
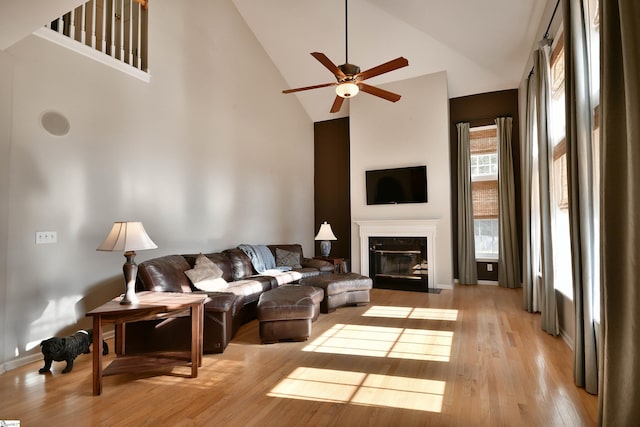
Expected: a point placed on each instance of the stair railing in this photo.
(117, 28)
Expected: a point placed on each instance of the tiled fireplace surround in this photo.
(399, 228)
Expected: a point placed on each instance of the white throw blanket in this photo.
(261, 258)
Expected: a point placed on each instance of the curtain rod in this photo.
(487, 120)
(546, 33)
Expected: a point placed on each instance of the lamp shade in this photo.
(347, 90)
(325, 232)
(125, 237)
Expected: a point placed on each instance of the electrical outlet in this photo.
(43, 237)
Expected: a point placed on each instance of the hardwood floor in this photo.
(465, 357)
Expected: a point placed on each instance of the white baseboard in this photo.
(566, 338)
(481, 282)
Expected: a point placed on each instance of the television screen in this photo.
(399, 185)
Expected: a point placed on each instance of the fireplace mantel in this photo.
(399, 228)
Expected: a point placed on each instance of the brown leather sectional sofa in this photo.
(224, 312)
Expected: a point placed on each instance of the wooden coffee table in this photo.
(151, 305)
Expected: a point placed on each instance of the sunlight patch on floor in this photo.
(379, 341)
(412, 313)
(328, 385)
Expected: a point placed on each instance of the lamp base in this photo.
(325, 248)
(130, 270)
(129, 297)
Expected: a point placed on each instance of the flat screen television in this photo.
(399, 185)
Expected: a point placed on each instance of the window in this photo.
(484, 189)
(484, 166)
(558, 173)
(593, 47)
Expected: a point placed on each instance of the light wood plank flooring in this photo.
(467, 357)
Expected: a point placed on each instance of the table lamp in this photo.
(325, 235)
(128, 237)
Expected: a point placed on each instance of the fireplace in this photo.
(399, 263)
(402, 230)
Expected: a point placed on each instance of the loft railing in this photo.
(117, 28)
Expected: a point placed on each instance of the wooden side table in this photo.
(151, 305)
(337, 262)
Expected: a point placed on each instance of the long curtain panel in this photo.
(620, 211)
(531, 282)
(467, 270)
(508, 253)
(548, 306)
(580, 180)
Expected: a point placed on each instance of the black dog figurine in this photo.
(67, 349)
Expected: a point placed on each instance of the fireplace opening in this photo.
(399, 263)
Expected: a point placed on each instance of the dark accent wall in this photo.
(331, 183)
(482, 110)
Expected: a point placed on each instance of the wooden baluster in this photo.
(139, 38)
(104, 26)
(60, 25)
(72, 24)
(131, 33)
(93, 24)
(113, 26)
(122, 30)
(83, 20)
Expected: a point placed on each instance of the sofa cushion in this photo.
(164, 274)
(283, 277)
(307, 272)
(286, 258)
(206, 275)
(240, 263)
(248, 290)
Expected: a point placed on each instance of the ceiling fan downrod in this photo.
(346, 32)
(349, 69)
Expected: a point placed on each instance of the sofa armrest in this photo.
(317, 263)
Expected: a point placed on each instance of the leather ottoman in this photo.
(341, 289)
(286, 313)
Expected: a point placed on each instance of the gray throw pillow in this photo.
(287, 258)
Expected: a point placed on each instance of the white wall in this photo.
(412, 131)
(25, 17)
(208, 155)
(5, 149)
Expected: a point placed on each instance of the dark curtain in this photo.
(620, 211)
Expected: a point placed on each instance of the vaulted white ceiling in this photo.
(482, 45)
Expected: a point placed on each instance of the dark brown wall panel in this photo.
(481, 110)
(331, 183)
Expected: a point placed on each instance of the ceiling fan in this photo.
(349, 77)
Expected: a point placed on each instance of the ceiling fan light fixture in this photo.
(347, 90)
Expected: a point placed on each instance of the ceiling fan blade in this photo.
(337, 104)
(385, 94)
(308, 87)
(328, 64)
(394, 64)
